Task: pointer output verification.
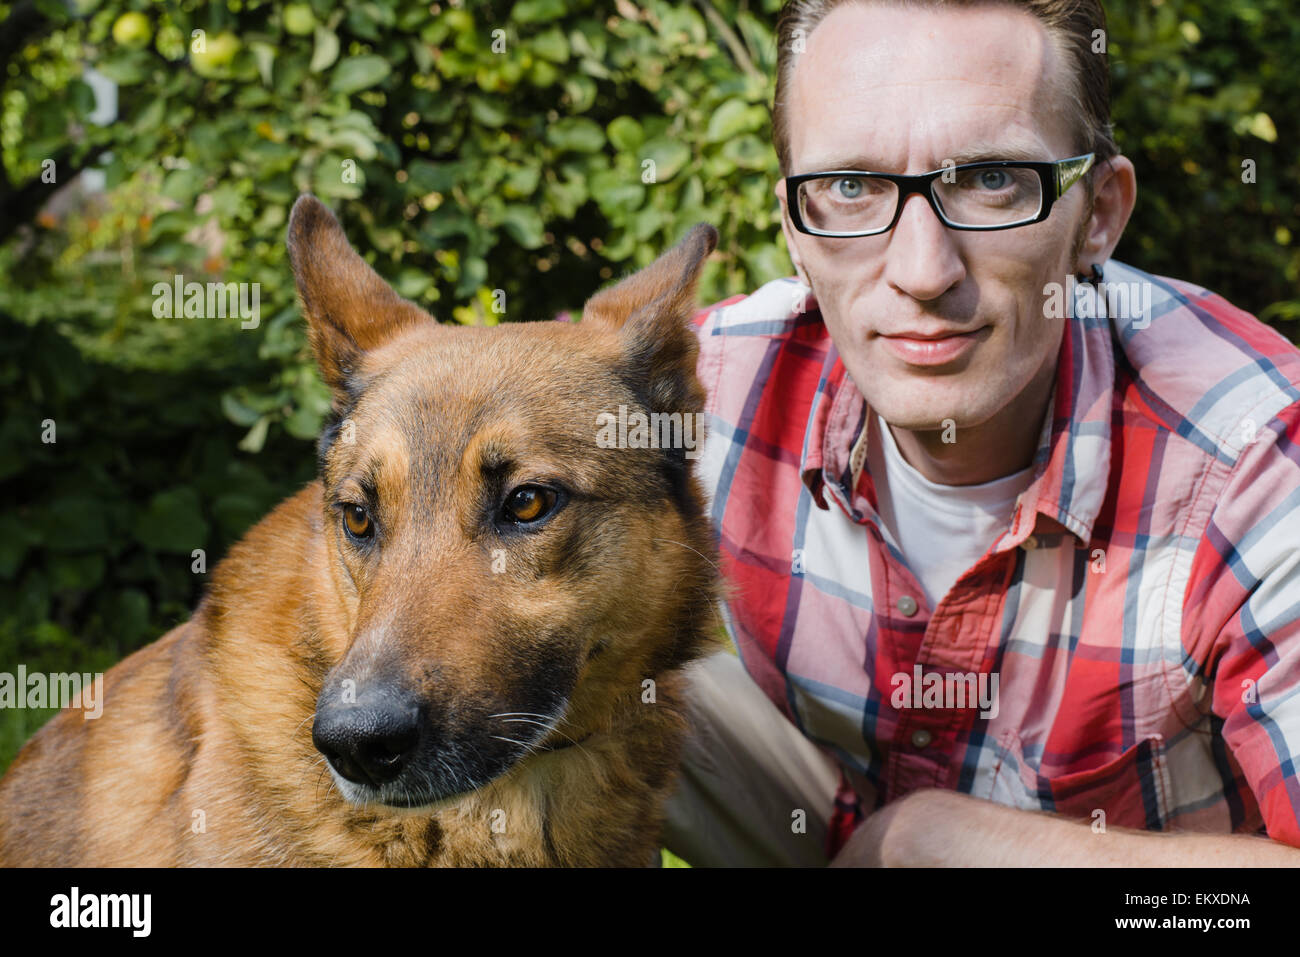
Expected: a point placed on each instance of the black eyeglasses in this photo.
(983, 196)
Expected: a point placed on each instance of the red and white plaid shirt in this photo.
(1141, 613)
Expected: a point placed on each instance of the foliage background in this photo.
(477, 170)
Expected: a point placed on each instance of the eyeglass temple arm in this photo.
(1070, 171)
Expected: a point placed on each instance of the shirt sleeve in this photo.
(1247, 575)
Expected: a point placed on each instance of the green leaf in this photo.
(256, 437)
(768, 262)
(152, 116)
(173, 522)
(537, 11)
(328, 181)
(125, 69)
(473, 274)
(411, 283)
(615, 189)
(732, 118)
(521, 181)
(488, 112)
(525, 225)
(234, 512)
(581, 93)
(304, 423)
(1261, 125)
(550, 45)
(237, 412)
(565, 196)
(625, 133)
(75, 523)
(669, 156)
(127, 612)
(326, 49)
(576, 133)
(422, 54)
(426, 177)
(75, 572)
(264, 54)
(359, 73)
(748, 152)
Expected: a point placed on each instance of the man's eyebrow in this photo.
(975, 153)
(984, 153)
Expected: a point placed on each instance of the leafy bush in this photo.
(1199, 89)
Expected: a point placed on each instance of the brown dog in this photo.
(461, 646)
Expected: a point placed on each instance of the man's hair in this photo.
(1070, 24)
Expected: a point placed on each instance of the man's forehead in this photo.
(884, 85)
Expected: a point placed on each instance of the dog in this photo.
(461, 646)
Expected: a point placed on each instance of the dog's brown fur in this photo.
(204, 752)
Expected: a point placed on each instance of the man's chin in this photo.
(931, 416)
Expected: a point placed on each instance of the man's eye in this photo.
(848, 187)
(529, 503)
(357, 522)
(993, 179)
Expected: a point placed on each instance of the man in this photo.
(1015, 557)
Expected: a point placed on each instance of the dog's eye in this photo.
(528, 503)
(357, 521)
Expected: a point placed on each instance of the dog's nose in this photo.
(367, 743)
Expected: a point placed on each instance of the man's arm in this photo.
(938, 828)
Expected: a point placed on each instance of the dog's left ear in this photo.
(349, 307)
(652, 310)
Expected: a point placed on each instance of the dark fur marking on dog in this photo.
(432, 840)
(549, 841)
(675, 466)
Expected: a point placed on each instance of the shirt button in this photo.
(907, 605)
(1030, 543)
(921, 738)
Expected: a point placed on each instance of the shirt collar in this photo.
(1071, 464)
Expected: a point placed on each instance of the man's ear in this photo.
(1114, 195)
(652, 311)
(790, 232)
(349, 307)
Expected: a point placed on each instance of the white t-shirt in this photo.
(942, 530)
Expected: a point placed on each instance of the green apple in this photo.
(132, 30)
(299, 20)
(459, 21)
(217, 54)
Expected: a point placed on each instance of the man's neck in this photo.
(1002, 446)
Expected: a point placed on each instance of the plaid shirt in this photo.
(1141, 613)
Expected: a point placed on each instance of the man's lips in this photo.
(932, 347)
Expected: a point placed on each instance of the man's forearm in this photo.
(945, 829)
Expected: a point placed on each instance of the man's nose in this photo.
(923, 258)
(369, 741)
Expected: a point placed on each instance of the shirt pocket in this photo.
(1132, 790)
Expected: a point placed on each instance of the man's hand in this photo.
(939, 828)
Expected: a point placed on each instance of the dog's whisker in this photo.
(670, 541)
(309, 717)
(552, 729)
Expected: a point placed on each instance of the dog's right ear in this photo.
(651, 309)
(349, 307)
